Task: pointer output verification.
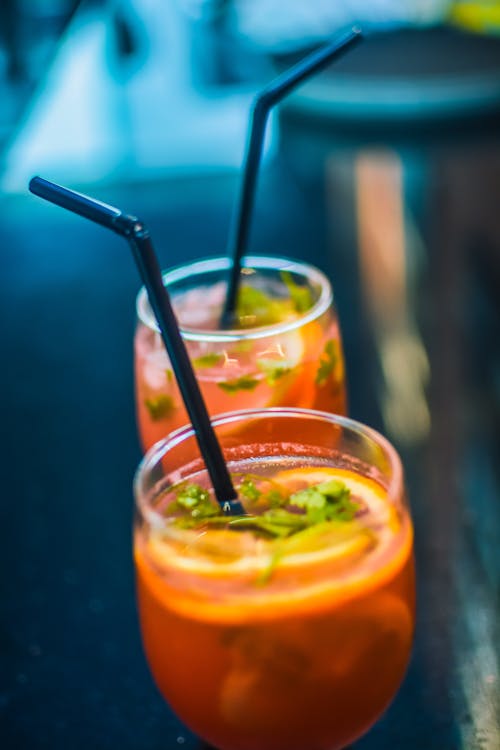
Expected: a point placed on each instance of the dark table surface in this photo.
(72, 672)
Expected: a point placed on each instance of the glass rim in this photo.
(223, 263)
(395, 483)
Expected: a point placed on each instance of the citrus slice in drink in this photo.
(367, 490)
(229, 554)
(332, 552)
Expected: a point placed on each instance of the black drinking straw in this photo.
(273, 93)
(142, 248)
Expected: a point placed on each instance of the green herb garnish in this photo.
(160, 407)
(243, 383)
(301, 296)
(305, 516)
(191, 496)
(327, 362)
(249, 490)
(328, 501)
(195, 502)
(273, 369)
(273, 524)
(256, 308)
(208, 360)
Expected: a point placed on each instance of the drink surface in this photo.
(271, 641)
(295, 365)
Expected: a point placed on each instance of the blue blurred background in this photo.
(385, 172)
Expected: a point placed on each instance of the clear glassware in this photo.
(261, 639)
(285, 351)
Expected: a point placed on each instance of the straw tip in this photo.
(32, 185)
(233, 508)
(357, 30)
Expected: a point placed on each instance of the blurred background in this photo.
(385, 172)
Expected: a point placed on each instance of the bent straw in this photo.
(142, 248)
(262, 104)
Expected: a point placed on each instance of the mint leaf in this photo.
(327, 501)
(191, 495)
(248, 489)
(160, 407)
(196, 501)
(333, 488)
(341, 510)
(244, 383)
(327, 362)
(273, 369)
(301, 296)
(208, 360)
(254, 304)
(277, 523)
(256, 308)
(307, 499)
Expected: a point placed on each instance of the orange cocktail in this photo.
(290, 627)
(284, 348)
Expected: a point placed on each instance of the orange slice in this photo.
(334, 560)
(225, 553)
